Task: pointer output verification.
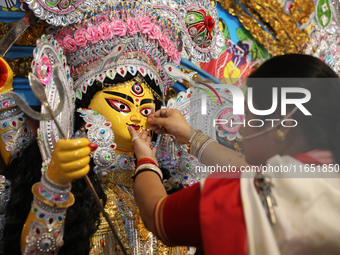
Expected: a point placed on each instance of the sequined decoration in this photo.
(46, 56)
(324, 40)
(99, 132)
(17, 139)
(181, 166)
(42, 240)
(282, 34)
(302, 10)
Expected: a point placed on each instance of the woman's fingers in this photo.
(144, 135)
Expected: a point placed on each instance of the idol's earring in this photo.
(280, 136)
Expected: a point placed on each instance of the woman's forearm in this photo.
(148, 190)
(211, 153)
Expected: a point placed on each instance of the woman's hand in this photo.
(70, 160)
(141, 142)
(170, 121)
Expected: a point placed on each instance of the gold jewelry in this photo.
(302, 9)
(280, 135)
(197, 140)
(69, 202)
(287, 36)
(152, 167)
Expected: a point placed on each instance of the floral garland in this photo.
(84, 36)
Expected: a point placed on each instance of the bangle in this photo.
(191, 138)
(146, 170)
(145, 160)
(197, 143)
(69, 202)
(52, 191)
(202, 148)
(149, 166)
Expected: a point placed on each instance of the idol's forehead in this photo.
(134, 90)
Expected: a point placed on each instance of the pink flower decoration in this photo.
(106, 31)
(119, 28)
(68, 32)
(144, 25)
(155, 32)
(171, 49)
(163, 42)
(132, 26)
(80, 37)
(69, 44)
(93, 34)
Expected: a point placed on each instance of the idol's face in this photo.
(125, 106)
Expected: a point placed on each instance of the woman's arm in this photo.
(171, 121)
(175, 218)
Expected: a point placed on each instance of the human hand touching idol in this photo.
(70, 160)
(141, 142)
(170, 121)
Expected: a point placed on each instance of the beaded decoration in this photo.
(324, 40)
(17, 139)
(99, 132)
(174, 157)
(6, 102)
(43, 240)
(13, 121)
(48, 55)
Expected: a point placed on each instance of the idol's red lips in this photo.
(136, 127)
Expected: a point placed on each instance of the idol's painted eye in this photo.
(137, 90)
(118, 105)
(146, 111)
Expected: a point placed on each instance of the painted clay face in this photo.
(123, 106)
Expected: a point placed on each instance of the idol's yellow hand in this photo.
(70, 160)
(6, 76)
